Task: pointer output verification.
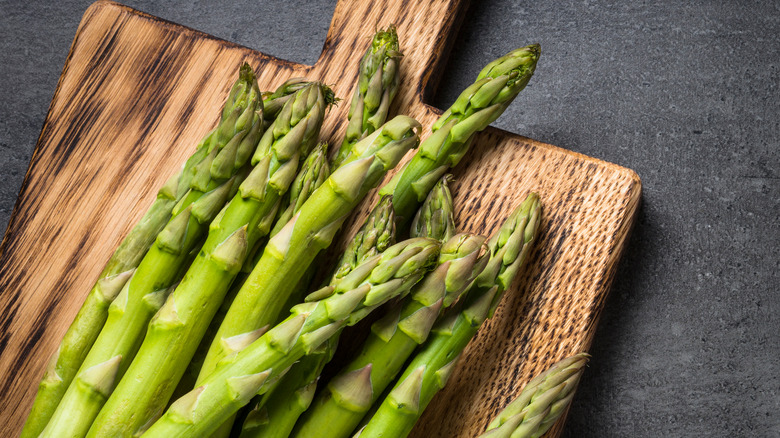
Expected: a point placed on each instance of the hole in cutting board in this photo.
(260, 25)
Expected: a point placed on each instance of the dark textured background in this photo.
(685, 93)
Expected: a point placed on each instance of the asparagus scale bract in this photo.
(429, 370)
(288, 254)
(477, 106)
(378, 81)
(275, 414)
(250, 371)
(213, 180)
(176, 331)
(541, 402)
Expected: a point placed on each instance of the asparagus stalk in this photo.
(175, 332)
(429, 370)
(252, 370)
(436, 218)
(378, 81)
(92, 316)
(541, 402)
(210, 183)
(477, 106)
(349, 395)
(314, 171)
(288, 254)
(275, 414)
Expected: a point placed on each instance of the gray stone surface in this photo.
(685, 93)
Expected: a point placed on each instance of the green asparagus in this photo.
(378, 81)
(278, 419)
(211, 182)
(313, 173)
(93, 313)
(541, 401)
(429, 370)
(477, 106)
(174, 333)
(275, 414)
(350, 394)
(436, 217)
(288, 254)
(311, 176)
(251, 370)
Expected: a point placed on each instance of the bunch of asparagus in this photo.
(184, 331)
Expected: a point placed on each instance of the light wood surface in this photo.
(137, 93)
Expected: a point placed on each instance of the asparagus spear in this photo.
(477, 106)
(288, 254)
(436, 219)
(93, 313)
(313, 173)
(275, 414)
(541, 401)
(175, 332)
(377, 86)
(350, 394)
(251, 370)
(429, 370)
(378, 81)
(211, 182)
(376, 234)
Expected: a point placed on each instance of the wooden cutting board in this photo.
(138, 92)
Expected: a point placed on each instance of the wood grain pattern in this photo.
(138, 92)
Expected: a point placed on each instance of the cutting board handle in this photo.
(426, 30)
